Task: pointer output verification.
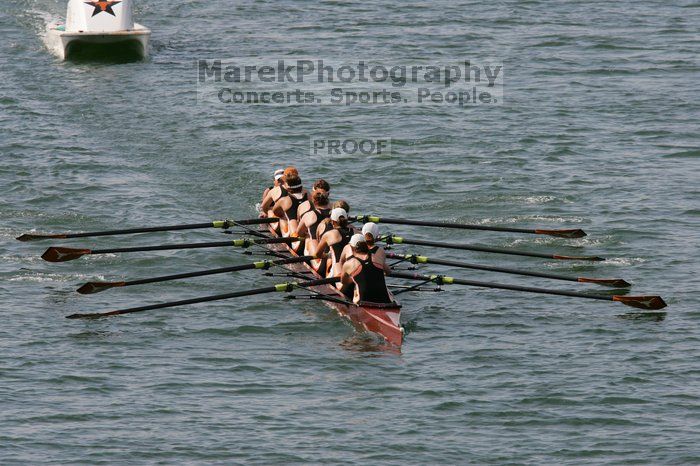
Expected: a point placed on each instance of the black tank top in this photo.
(345, 234)
(371, 284)
(292, 212)
(321, 215)
(283, 192)
(320, 232)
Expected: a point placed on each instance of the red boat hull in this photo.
(381, 320)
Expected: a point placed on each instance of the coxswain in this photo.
(364, 275)
(308, 224)
(286, 207)
(320, 185)
(334, 239)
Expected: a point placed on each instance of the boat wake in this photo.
(51, 22)
(40, 19)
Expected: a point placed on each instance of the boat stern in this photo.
(100, 16)
(99, 29)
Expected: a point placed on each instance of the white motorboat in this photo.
(99, 27)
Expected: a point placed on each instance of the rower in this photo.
(277, 192)
(325, 225)
(286, 207)
(342, 204)
(370, 232)
(364, 275)
(320, 185)
(291, 171)
(334, 239)
(276, 182)
(308, 223)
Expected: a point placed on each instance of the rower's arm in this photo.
(279, 209)
(303, 208)
(345, 278)
(321, 248)
(380, 258)
(345, 253)
(387, 269)
(346, 273)
(302, 228)
(327, 240)
(267, 202)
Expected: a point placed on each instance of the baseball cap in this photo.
(337, 213)
(356, 238)
(371, 228)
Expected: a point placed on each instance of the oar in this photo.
(640, 302)
(574, 233)
(191, 226)
(393, 239)
(96, 287)
(282, 287)
(415, 259)
(60, 254)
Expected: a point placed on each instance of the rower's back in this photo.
(369, 279)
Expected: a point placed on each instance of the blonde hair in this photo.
(342, 204)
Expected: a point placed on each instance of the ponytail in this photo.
(362, 247)
(320, 198)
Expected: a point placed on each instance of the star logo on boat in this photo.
(102, 5)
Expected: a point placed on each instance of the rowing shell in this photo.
(381, 319)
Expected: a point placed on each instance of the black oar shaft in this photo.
(235, 268)
(61, 254)
(184, 302)
(163, 247)
(127, 231)
(282, 287)
(646, 302)
(392, 239)
(212, 244)
(191, 226)
(570, 233)
(464, 265)
(460, 226)
(501, 286)
(416, 259)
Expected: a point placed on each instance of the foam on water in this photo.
(41, 277)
